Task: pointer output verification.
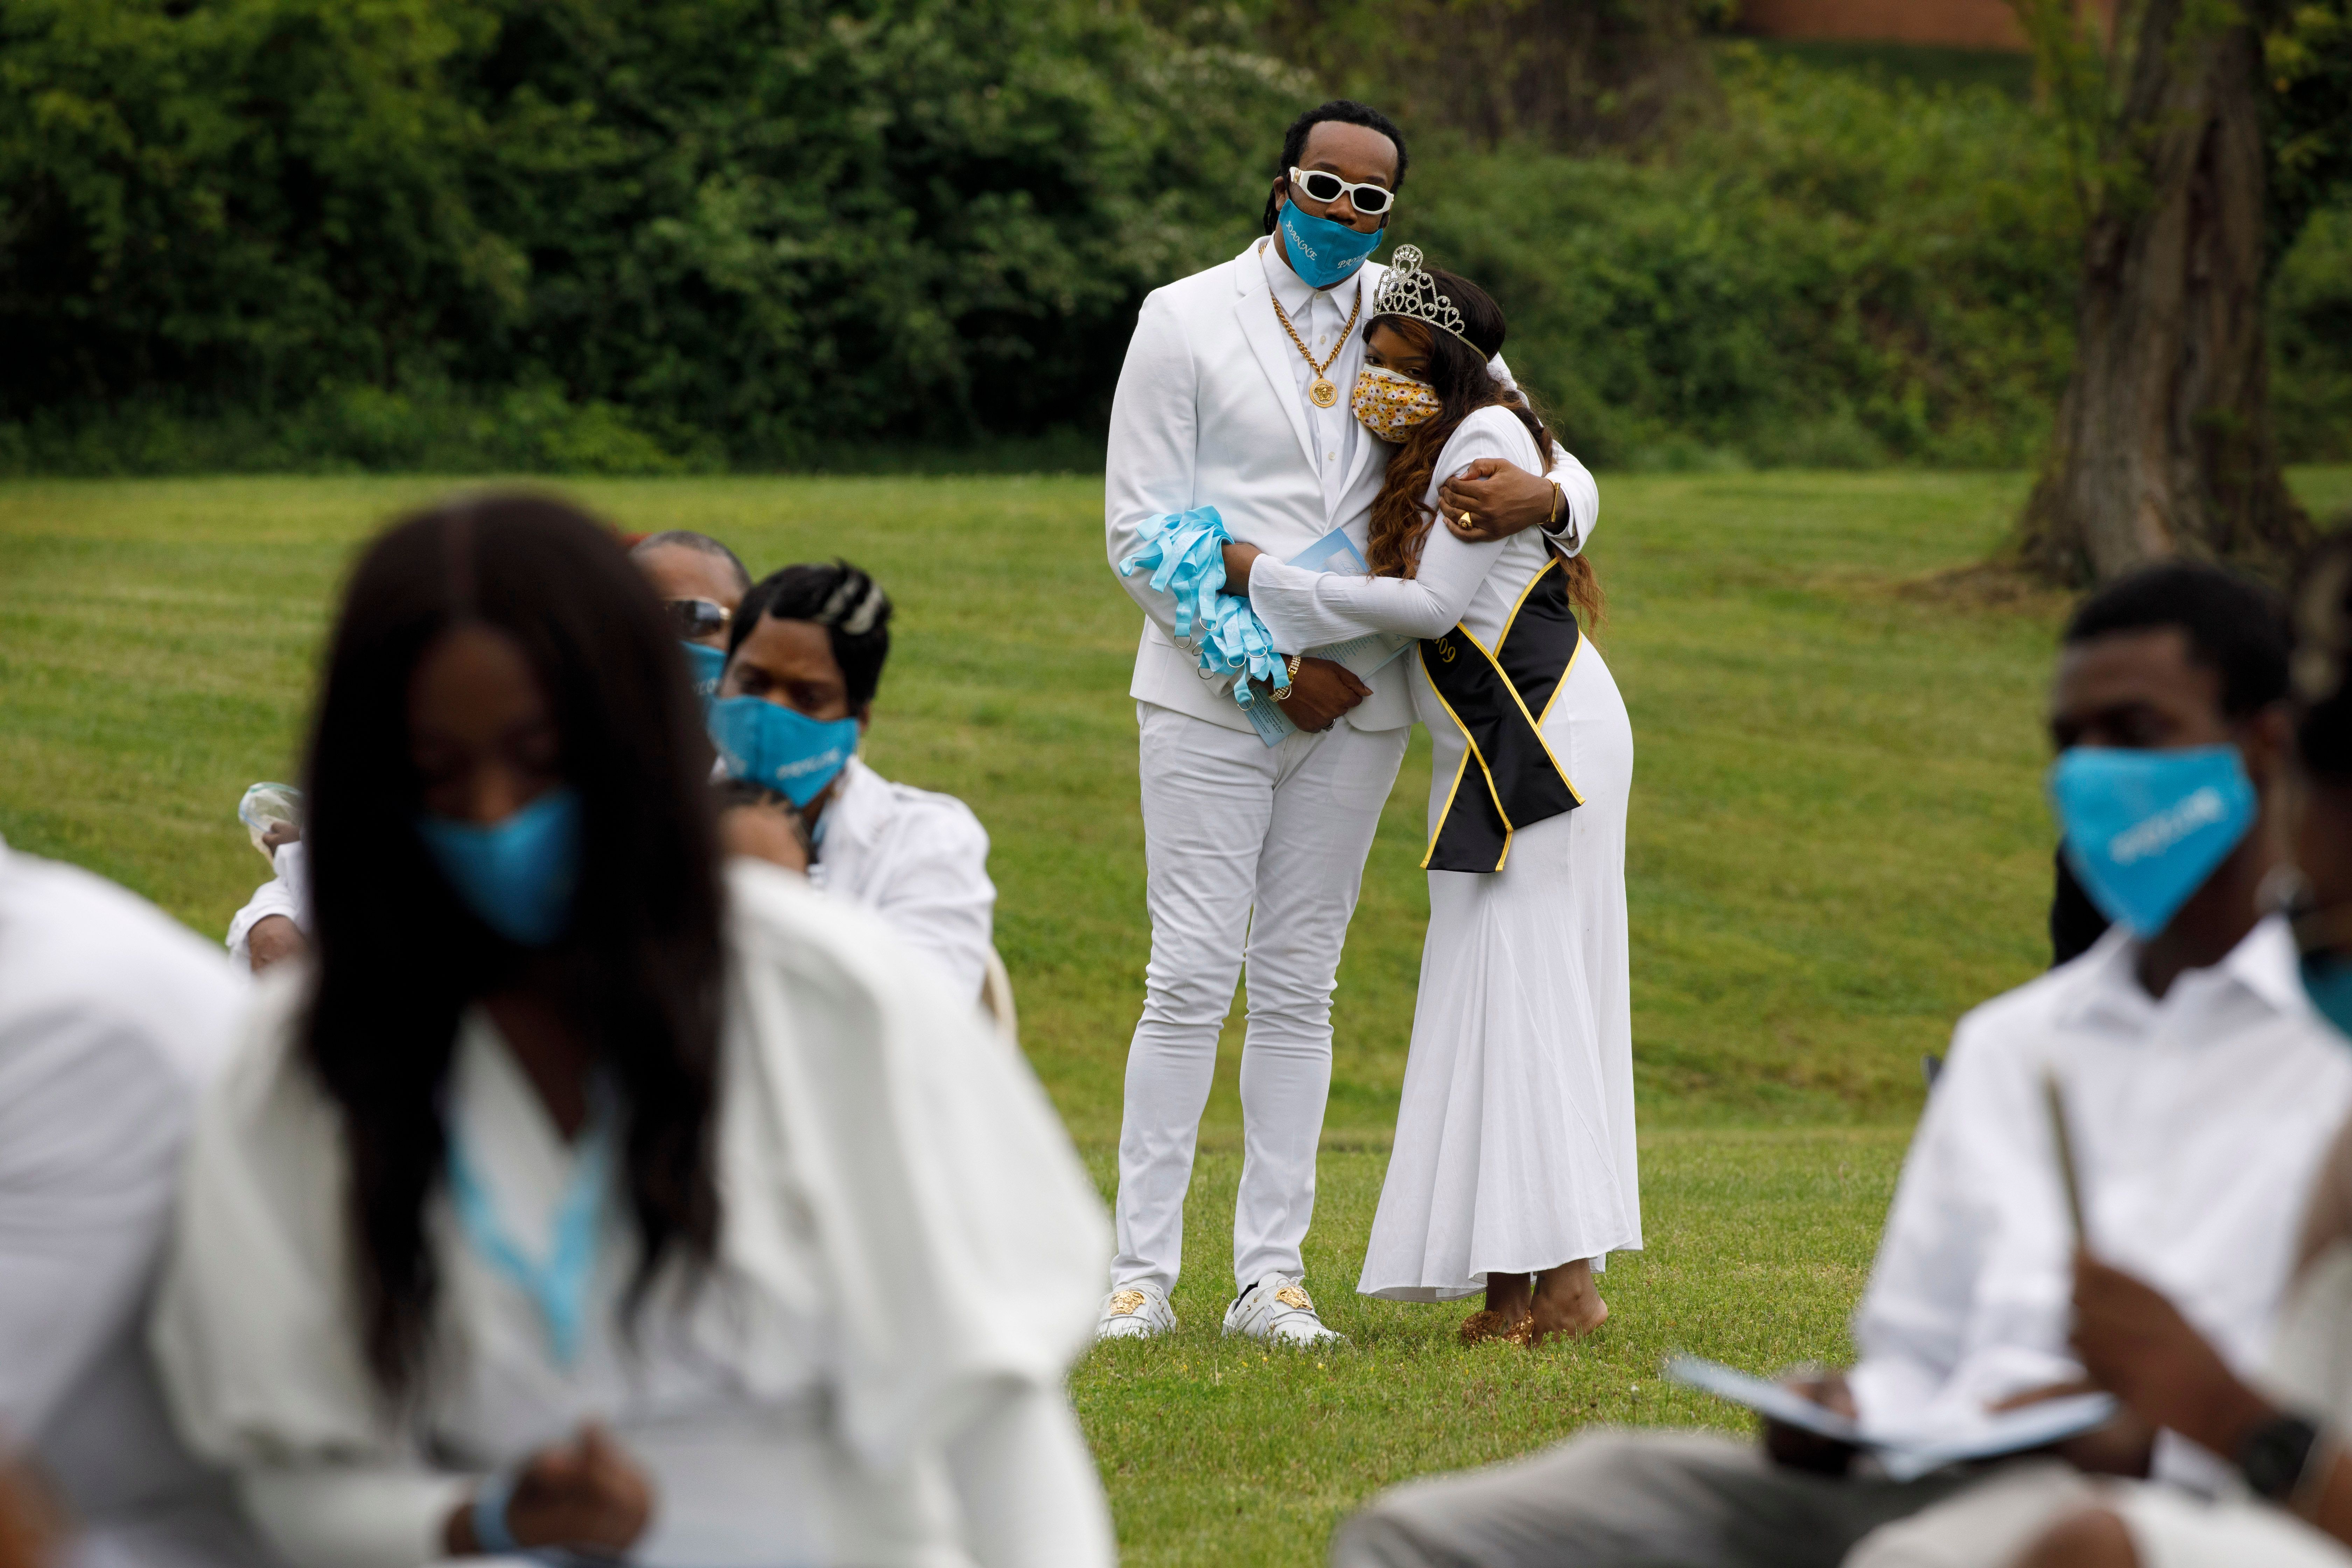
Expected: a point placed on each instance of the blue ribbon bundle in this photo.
(1185, 550)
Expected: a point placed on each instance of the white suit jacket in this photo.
(1208, 413)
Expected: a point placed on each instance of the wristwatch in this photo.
(2276, 1456)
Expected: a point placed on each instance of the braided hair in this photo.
(847, 603)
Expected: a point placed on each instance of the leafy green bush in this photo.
(1841, 272)
(773, 223)
(498, 235)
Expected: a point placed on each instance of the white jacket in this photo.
(1208, 413)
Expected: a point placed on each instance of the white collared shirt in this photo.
(919, 860)
(1320, 317)
(2196, 1122)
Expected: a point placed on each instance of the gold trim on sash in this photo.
(1538, 786)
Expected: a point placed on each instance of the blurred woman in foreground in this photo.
(577, 1195)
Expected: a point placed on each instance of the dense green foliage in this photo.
(753, 225)
(598, 236)
(1842, 270)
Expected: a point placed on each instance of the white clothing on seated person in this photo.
(286, 893)
(1515, 1147)
(112, 1018)
(917, 858)
(2309, 1371)
(2190, 1116)
(870, 1378)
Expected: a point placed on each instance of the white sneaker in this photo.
(1139, 1311)
(1277, 1311)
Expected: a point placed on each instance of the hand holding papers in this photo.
(1906, 1453)
(1361, 655)
(1903, 1454)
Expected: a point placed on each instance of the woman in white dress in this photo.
(1513, 1167)
(579, 1197)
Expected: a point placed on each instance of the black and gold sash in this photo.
(1498, 700)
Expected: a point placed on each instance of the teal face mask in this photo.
(516, 874)
(780, 748)
(2144, 829)
(1322, 252)
(705, 664)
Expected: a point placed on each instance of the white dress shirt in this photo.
(1321, 316)
(111, 1017)
(909, 1258)
(918, 859)
(2197, 1122)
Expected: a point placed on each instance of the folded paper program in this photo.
(1185, 550)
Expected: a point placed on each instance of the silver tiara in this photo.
(1409, 290)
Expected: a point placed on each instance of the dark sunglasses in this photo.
(698, 618)
(1326, 187)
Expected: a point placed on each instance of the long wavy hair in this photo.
(400, 956)
(1458, 373)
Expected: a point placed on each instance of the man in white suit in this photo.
(1234, 395)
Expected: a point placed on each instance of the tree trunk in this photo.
(2164, 444)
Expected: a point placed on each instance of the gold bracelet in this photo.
(1281, 693)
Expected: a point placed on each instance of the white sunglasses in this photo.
(1326, 187)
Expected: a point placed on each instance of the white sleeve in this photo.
(1032, 1497)
(1313, 609)
(274, 897)
(1576, 483)
(255, 1333)
(92, 1118)
(1147, 464)
(1968, 1300)
(1583, 493)
(940, 898)
(964, 1246)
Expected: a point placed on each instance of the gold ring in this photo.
(1468, 521)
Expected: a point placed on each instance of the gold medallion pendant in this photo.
(1321, 391)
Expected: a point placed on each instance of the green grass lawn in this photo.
(1838, 844)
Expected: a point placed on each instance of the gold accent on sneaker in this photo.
(1293, 1297)
(1126, 1304)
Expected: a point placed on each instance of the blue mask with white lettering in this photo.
(517, 875)
(2144, 829)
(1320, 252)
(780, 748)
(705, 664)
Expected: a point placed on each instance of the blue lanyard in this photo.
(559, 1286)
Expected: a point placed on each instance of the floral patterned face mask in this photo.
(1390, 404)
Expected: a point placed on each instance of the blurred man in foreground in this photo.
(2283, 1430)
(2201, 1086)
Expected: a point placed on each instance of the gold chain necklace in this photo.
(1321, 392)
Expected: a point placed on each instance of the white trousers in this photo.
(1254, 858)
